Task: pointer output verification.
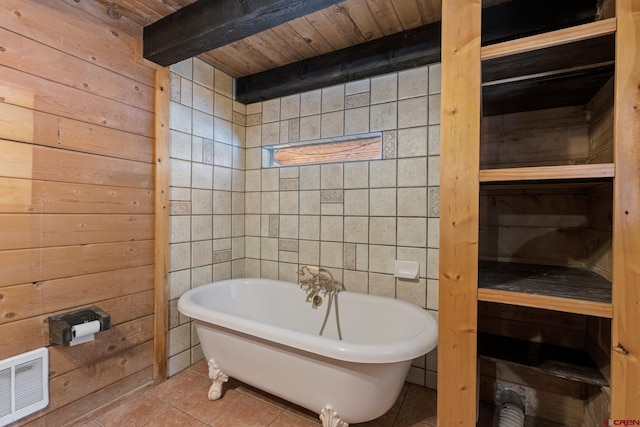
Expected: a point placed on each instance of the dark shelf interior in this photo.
(556, 281)
(563, 362)
(559, 76)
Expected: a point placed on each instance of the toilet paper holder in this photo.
(60, 325)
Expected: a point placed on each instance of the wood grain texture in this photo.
(549, 39)
(625, 359)
(161, 230)
(203, 26)
(460, 127)
(77, 209)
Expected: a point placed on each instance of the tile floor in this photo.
(182, 401)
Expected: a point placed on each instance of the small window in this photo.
(334, 150)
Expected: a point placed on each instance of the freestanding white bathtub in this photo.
(263, 333)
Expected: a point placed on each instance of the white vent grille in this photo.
(24, 385)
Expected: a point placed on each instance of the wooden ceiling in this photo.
(350, 40)
(346, 24)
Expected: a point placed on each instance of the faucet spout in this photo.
(311, 294)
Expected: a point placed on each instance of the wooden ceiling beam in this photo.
(206, 25)
(408, 49)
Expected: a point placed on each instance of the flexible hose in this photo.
(326, 315)
(512, 410)
(511, 416)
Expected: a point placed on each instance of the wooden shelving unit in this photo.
(545, 173)
(567, 289)
(590, 192)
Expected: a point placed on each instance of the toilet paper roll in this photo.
(83, 332)
(84, 329)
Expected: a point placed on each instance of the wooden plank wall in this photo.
(625, 359)
(459, 181)
(76, 200)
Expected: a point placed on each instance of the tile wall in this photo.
(230, 217)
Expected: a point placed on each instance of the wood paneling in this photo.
(161, 228)
(625, 359)
(459, 187)
(77, 210)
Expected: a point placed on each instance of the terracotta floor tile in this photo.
(199, 406)
(248, 411)
(182, 386)
(174, 417)
(182, 401)
(420, 404)
(403, 421)
(201, 368)
(387, 420)
(136, 412)
(287, 419)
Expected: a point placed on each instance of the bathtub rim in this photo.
(421, 343)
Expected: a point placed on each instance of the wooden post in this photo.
(459, 193)
(625, 357)
(161, 157)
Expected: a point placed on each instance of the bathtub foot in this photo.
(218, 377)
(330, 418)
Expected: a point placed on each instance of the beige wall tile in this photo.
(290, 107)
(288, 226)
(356, 229)
(309, 252)
(413, 291)
(362, 257)
(179, 145)
(356, 121)
(310, 103)
(412, 201)
(414, 254)
(434, 78)
(382, 230)
(382, 258)
(310, 177)
(310, 128)
(333, 99)
(271, 110)
(180, 117)
(413, 142)
(332, 228)
(271, 133)
(223, 107)
(356, 202)
(309, 227)
(331, 254)
(203, 99)
(412, 112)
(412, 172)
(201, 253)
(254, 136)
(413, 82)
(203, 73)
(412, 232)
(202, 176)
(356, 281)
(382, 173)
(383, 285)
(331, 176)
(179, 283)
(384, 116)
(202, 227)
(310, 202)
(356, 175)
(289, 202)
(202, 124)
(270, 179)
(180, 173)
(332, 124)
(269, 248)
(384, 88)
(382, 202)
(222, 130)
(270, 202)
(222, 178)
(433, 232)
(221, 202)
(358, 86)
(179, 229)
(223, 83)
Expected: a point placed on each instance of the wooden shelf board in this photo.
(563, 362)
(550, 39)
(565, 289)
(543, 173)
